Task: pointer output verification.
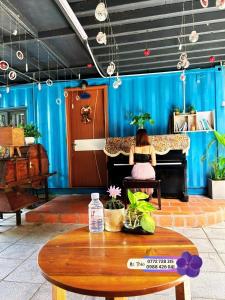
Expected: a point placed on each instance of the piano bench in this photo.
(130, 182)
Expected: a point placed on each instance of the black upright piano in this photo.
(171, 168)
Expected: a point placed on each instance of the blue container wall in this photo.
(155, 93)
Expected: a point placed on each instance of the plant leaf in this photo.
(140, 196)
(131, 198)
(148, 223)
(220, 137)
(145, 207)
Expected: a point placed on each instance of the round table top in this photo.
(96, 263)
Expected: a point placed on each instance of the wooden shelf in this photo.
(202, 121)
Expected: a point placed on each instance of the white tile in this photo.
(18, 251)
(215, 233)
(196, 233)
(203, 245)
(3, 246)
(17, 291)
(31, 273)
(212, 263)
(222, 257)
(219, 225)
(209, 286)
(7, 266)
(219, 245)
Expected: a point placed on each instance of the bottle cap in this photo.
(94, 196)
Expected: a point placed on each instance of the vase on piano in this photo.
(29, 140)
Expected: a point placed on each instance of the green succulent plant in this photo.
(138, 212)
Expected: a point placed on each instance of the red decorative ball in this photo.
(147, 52)
(212, 59)
(89, 66)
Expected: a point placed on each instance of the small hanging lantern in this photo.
(89, 66)
(39, 86)
(12, 75)
(7, 89)
(204, 3)
(101, 12)
(212, 59)
(194, 36)
(147, 52)
(4, 65)
(19, 55)
(101, 38)
(220, 4)
(49, 82)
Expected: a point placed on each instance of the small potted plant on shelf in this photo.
(114, 210)
(191, 109)
(139, 120)
(138, 217)
(176, 110)
(30, 133)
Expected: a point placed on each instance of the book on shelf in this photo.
(204, 124)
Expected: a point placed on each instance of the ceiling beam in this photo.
(88, 9)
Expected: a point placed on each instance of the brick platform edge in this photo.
(198, 212)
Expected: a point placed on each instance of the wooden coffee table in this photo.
(96, 263)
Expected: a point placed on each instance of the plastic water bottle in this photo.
(95, 213)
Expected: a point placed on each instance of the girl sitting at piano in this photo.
(142, 156)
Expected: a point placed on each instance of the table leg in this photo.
(116, 298)
(58, 293)
(183, 290)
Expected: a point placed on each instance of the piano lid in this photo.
(162, 144)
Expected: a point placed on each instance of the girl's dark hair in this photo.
(142, 138)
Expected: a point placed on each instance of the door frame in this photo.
(68, 123)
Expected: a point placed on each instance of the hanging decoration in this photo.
(183, 61)
(111, 68)
(26, 65)
(183, 76)
(89, 66)
(212, 59)
(101, 38)
(65, 94)
(12, 75)
(49, 82)
(220, 4)
(147, 52)
(7, 89)
(101, 12)
(39, 86)
(19, 55)
(4, 65)
(194, 36)
(85, 114)
(204, 3)
(58, 101)
(117, 82)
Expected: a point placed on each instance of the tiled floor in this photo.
(198, 212)
(20, 278)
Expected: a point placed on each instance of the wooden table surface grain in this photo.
(96, 263)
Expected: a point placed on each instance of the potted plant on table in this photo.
(138, 216)
(30, 133)
(114, 210)
(139, 120)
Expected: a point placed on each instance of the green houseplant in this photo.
(138, 217)
(114, 210)
(216, 181)
(139, 120)
(31, 133)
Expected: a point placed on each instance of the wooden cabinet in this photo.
(199, 121)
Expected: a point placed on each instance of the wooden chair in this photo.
(130, 182)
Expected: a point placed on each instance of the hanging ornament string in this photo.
(49, 82)
(26, 65)
(194, 36)
(12, 74)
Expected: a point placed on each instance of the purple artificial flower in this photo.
(114, 191)
(189, 264)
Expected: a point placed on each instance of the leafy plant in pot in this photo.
(139, 120)
(30, 133)
(138, 216)
(114, 210)
(216, 182)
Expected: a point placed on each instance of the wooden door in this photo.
(87, 128)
